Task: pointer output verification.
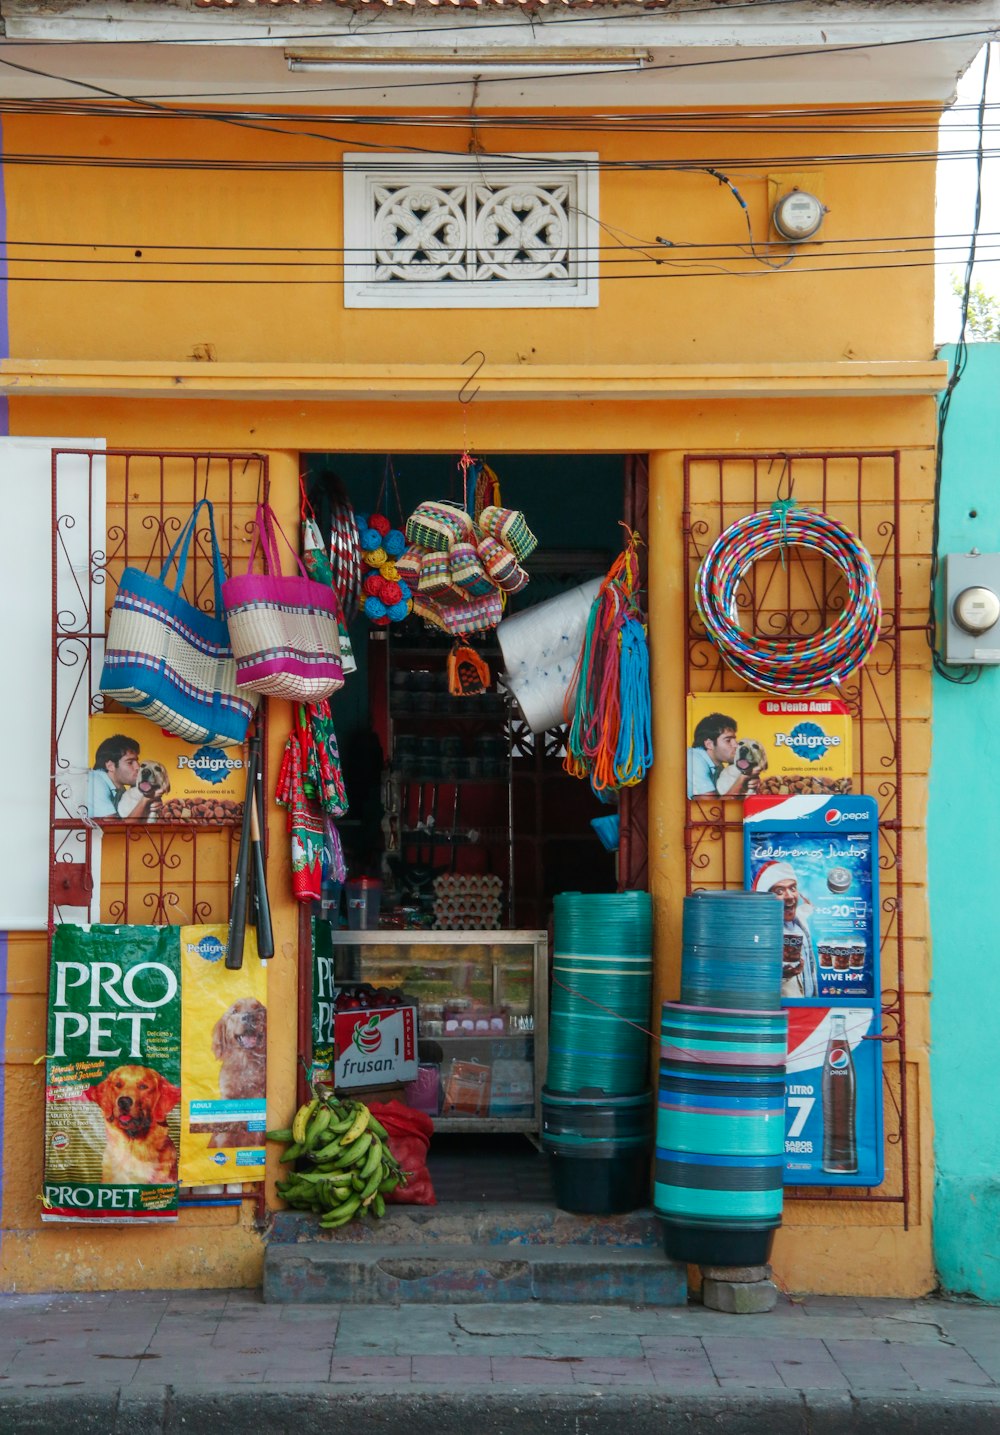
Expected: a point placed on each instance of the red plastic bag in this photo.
(409, 1137)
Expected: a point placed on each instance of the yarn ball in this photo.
(390, 571)
(399, 611)
(375, 557)
(369, 538)
(394, 542)
(405, 590)
(381, 523)
(361, 519)
(391, 593)
(373, 585)
(374, 608)
(381, 622)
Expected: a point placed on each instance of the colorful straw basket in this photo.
(408, 566)
(479, 615)
(509, 527)
(435, 525)
(467, 575)
(435, 576)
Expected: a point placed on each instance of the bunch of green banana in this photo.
(343, 1165)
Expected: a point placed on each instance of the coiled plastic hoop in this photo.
(795, 665)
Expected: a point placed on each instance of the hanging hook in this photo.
(463, 397)
(786, 473)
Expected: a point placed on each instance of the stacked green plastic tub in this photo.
(720, 1130)
(596, 1106)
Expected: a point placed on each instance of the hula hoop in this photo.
(800, 665)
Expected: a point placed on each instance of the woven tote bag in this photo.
(170, 661)
(283, 628)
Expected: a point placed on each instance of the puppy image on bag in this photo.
(239, 1042)
(748, 763)
(151, 784)
(135, 1102)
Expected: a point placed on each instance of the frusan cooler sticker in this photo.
(745, 743)
(201, 786)
(112, 1076)
(223, 1060)
(374, 1046)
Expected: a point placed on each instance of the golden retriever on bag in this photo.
(239, 1042)
(135, 1102)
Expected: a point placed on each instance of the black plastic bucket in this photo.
(699, 1244)
(599, 1150)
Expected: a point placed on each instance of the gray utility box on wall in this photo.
(972, 607)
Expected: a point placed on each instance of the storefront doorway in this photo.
(466, 818)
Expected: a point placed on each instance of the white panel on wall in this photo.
(26, 652)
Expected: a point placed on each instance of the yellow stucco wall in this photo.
(769, 318)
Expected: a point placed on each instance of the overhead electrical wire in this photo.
(517, 163)
(606, 278)
(775, 120)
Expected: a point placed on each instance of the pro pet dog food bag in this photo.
(112, 1076)
(223, 1060)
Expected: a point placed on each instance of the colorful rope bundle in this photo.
(610, 737)
(791, 666)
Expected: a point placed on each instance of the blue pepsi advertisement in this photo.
(818, 856)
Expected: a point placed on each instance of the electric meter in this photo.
(797, 215)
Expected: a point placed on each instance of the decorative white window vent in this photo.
(470, 231)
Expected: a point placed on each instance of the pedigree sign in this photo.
(752, 744)
(181, 781)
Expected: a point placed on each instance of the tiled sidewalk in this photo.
(150, 1340)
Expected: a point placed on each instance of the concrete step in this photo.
(457, 1223)
(365, 1273)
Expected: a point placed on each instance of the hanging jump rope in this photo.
(791, 666)
(610, 738)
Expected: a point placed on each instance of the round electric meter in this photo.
(977, 609)
(797, 215)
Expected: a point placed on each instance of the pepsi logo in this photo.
(838, 1058)
(832, 817)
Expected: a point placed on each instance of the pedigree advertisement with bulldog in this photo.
(112, 1076)
(751, 744)
(139, 773)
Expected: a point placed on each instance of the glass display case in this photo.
(482, 1017)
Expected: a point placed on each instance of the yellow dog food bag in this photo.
(223, 1060)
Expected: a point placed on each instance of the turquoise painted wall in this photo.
(964, 880)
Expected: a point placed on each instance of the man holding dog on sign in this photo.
(114, 783)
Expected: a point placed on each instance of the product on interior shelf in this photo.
(466, 1089)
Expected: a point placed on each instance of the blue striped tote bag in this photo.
(171, 661)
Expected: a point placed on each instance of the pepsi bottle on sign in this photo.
(840, 1142)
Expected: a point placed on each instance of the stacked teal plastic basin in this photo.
(596, 1106)
(720, 1126)
(731, 953)
(602, 975)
